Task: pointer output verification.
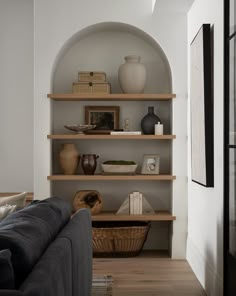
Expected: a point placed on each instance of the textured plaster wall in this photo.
(16, 95)
(205, 205)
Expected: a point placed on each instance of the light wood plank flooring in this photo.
(147, 275)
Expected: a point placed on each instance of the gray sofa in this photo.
(45, 252)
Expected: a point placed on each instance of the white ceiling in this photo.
(174, 5)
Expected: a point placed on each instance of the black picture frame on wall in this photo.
(201, 99)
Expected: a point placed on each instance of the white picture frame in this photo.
(151, 164)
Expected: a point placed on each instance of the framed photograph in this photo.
(106, 118)
(201, 99)
(151, 164)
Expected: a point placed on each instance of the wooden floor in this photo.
(145, 275)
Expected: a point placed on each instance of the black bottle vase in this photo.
(148, 122)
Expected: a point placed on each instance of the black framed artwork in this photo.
(201, 97)
(229, 148)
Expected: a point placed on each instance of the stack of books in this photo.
(102, 285)
(136, 203)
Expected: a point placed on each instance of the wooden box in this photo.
(92, 76)
(91, 87)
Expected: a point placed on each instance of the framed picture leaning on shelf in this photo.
(151, 164)
(104, 117)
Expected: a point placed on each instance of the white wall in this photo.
(205, 205)
(16, 95)
(167, 22)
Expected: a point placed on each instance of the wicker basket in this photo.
(119, 238)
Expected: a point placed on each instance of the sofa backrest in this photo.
(28, 232)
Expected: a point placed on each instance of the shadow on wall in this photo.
(214, 266)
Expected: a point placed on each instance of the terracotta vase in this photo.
(132, 75)
(148, 122)
(69, 159)
(89, 163)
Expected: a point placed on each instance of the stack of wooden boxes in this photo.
(91, 82)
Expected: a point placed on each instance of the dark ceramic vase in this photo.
(148, 122)
(89, 163)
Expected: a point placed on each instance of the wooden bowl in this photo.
(90, 199)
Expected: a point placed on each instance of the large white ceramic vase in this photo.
(132, 75)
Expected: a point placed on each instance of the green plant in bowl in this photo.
(119, 162)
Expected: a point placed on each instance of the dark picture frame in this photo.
(106, 118)
(201, 99)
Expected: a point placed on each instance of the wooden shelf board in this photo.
(110, 97)
(101, 177)
(154, 254)
(112, 216)
(109, 137)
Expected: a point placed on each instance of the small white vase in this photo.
(132, 75)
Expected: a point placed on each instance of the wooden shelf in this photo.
(108, 137)
(110, 97)
(111, 177)
(112, 216)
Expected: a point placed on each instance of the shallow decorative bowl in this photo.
(80, 128)
(119, 168)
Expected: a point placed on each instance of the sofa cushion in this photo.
(17, 199)
(52, 274)
(28, 232)
(7, 280)
(6, 210)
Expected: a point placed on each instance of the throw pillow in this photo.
(18, 200)
(6, 210)
(6, 270)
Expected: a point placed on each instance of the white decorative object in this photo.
(158, 128)
(146, 208)
(132, 75)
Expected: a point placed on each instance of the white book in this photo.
(140, 203)
(136, 202)
(131, 204)
(126, 133)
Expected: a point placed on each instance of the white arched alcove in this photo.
(58, 27)
(102, 47)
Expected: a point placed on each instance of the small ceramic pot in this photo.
(89, 163)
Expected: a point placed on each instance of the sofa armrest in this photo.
(79, 232)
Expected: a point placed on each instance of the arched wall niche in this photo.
(102, 47)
